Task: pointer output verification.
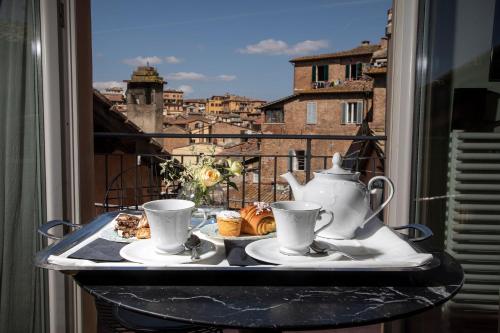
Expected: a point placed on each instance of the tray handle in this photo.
(44, 228)
(425, 232)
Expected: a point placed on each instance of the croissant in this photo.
(255, 221)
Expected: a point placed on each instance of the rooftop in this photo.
(196, 100)
(145, 74)
(364, 49)
(375, 71)
(358, 86)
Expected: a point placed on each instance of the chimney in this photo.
(365, 42)
(383, 42)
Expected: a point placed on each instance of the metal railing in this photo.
(135, 178)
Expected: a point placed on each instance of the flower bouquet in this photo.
(202, 181)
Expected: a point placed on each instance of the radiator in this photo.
(473, 218)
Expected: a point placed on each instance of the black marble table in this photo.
(290, 301)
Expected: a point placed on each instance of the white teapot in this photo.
(340, 191)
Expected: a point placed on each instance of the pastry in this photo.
(126, 225)
(257, 219)
(229, 223)
(143, 222)
(143, 233)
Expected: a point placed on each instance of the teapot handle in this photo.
(389, 197)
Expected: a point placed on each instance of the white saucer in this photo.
(143, 252)
(267, 250)
(212, 231)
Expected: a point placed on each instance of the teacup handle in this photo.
(321, 212)
(205, 220)
(389, 197)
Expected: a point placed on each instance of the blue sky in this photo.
(236, 46)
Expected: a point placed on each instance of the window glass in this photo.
(311, 113)
(274, 116)
(456, 185)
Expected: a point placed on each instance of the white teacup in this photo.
(169, 220)
(295, 222)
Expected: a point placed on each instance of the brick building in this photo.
(196, 105)
(173, 102)
(229, 103)
(116, 96)
(332, 94)
(184, 124)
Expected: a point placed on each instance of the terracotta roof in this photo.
(357, 51)
(174, 129)
(375, 70)
(196, 100)
(284, 99)
(346, 87)
(244, 148)
(181, 120)
(252, 194)
(380, 54)
(114, 97)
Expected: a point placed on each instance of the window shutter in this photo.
(359, 112)
(359, 69)
(343, 111)
(311, 113)
(314, 67)
(326, 72)
(472, 218)
(347, 72)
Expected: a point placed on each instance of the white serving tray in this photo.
(381, 248)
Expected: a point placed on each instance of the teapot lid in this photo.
(338, 170)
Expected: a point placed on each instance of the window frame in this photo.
(352, 112)
(297, 163)
(268, 120)
(315, 73)
(358, 71)
(309, 112)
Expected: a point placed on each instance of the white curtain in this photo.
(21, 200)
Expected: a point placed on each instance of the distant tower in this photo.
(145, 99)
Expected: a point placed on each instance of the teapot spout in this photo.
(297, 189)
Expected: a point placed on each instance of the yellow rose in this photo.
(210, 177)
(235, 167)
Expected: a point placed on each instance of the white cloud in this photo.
(108, 84)
(143, 61)
(225, 77)
(172, 60)
(267, 46)
(186, 76)
(186, 88)
(308, 46)
(277, 47)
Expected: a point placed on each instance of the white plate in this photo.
(143, 252)
(212, 231)
(267, 250)
(109, 233)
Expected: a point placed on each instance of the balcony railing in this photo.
(128, 180)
